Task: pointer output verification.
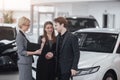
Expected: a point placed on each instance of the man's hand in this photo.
(73, 72)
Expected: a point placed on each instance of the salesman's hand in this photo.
(49, 55)
(73, 72)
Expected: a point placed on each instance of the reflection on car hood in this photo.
(6, 41)
(88, 59)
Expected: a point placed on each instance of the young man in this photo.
(67, 50)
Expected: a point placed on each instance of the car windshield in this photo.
(79, 23)
(97, 42)
(7, 33)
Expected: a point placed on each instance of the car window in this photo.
(118, 50)
(97, 42)
(80, 23)
(7, 33)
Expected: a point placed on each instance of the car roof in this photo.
(79, 17)
(100, 30)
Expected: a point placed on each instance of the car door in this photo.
(117, 61)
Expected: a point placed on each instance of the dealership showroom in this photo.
(96, 23)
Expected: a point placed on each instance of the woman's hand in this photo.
(49, 55)
(43, 40)
(38, 51)
(34, 52)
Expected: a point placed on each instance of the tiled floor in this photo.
(9, 75)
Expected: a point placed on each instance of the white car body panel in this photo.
(106, 61)
(97, 59)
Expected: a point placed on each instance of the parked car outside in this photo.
(8, 55)
(99, 54)
(80, 22)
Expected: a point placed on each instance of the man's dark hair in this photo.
(61, 20)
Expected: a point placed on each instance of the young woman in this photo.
(46, 61)
(24, 57)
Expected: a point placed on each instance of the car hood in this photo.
(6, 41)
(89, 59)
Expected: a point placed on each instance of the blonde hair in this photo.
(23, 21)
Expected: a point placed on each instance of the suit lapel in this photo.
(64, 40)
(57, 43)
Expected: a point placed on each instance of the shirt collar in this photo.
(63, 34)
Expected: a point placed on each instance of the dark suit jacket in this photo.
(46, 47)
(69, 53)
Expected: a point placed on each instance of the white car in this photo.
(99, 54)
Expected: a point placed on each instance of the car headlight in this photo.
(86, 71)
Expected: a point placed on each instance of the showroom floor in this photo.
(9, 75)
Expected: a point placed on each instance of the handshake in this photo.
(49, 55)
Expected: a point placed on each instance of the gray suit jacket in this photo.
(22, 47)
